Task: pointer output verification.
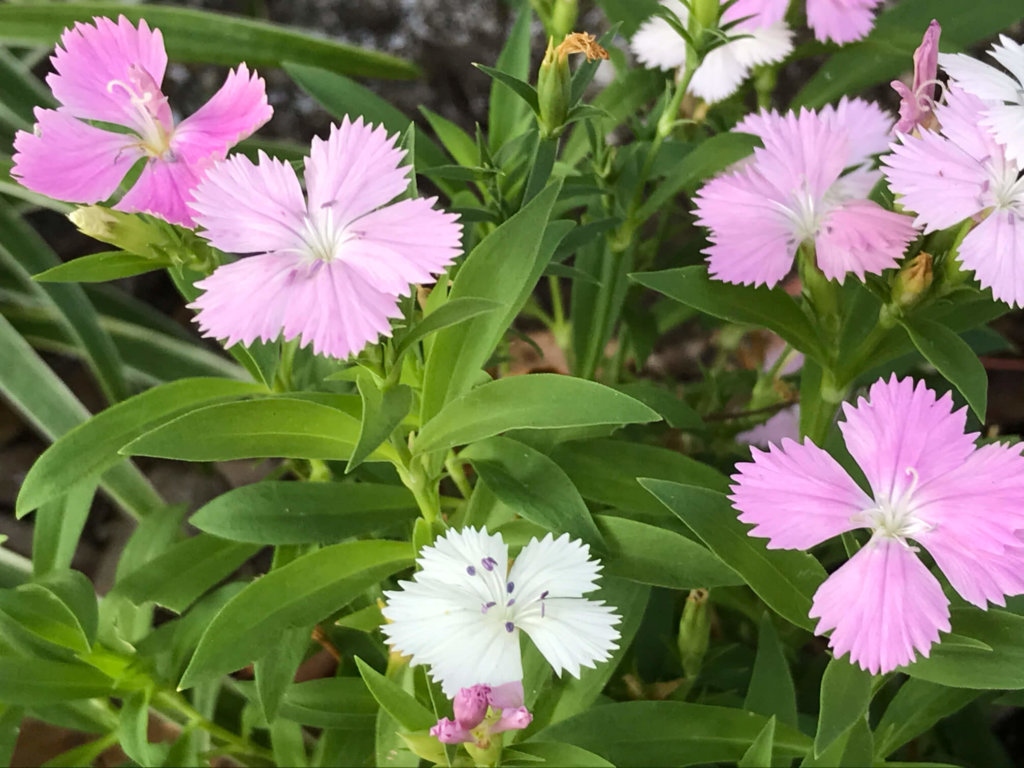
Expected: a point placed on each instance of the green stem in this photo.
(173, 701)
(458, 475)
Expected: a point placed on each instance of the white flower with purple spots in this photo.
(462, 613)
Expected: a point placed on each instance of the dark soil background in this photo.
(444, 37)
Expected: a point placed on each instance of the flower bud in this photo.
(694, 629)
(470, 705)
(554, 80)
(449, 732)
(514, 719)
(506, 695)
(127, 231)
(705, 13)
(563, 17)
(913, 280)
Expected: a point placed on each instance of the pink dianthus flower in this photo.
(918, 102)
(841, 21)
(809, 183)
(963, 172)
(928, 483)
(111, 73)
(329, 269)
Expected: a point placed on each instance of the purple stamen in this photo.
(543, 594)
(510, 602)
(487, 606)
(489, 563)
(509, 626)
(471, 570)
(509, 587)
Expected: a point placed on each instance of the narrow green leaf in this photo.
(534, 753)
(38, 682)
(507, 111)
(452, 312)
(538, 401)
(533, 485)
(460, 146)
(59, 609)
(676, 412)
(288, 743)
(405, 709)
(341, 703)
(133, 731)
(301, 593)
(91, 448)
(186, 571)
(652, 555)
(954, 359)
(204, 36)
(285, 427)
(383, 411)
(10, 726)
(643, 733)
(845, 696)
(759, 754)
(275, 672)
(768, 308)
(786, 580)
(58, 527)
(100, 267)
(489, 272)
(305, 513)
(915, 708)
(771, 691)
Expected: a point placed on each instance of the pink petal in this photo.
(994, 251)
(784, 425)
(96, 55)
(841, 21)
(958, 116)
(861, 237)
(761, 13)
(354, 171)
(926, 60)
(163, 189)
(976, 512)
(883, 604)
(325, 304)
(867, 127)
(233, 113)
(901, 431)
(408, 242)
(803, 153)
(936, 179)
(68, 159)
(248, 208)
(752, 239)
(796, 496)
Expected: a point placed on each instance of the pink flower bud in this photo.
(470, 705)
(506, 695)
(449, 732)
(513, 720)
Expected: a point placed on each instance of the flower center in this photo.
(894, 517)
(503, 606)
(324, 239)
(803, 211)
(149, 112)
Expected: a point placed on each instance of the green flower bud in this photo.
(694, 630)
(563, 17)
(554, 80)
(127, 231)
(913, 280)
(705, 13)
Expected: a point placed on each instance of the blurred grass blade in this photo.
(215, 38)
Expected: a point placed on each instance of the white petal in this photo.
(1010, 54)
(1006, 124)
(765, 45)
(560, 567)
(572, 633)
(984, 81)
(461, 558)
(656, 45)
(720, 74)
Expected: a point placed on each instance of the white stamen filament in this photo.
(155, 138)
(895, 518)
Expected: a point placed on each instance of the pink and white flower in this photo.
(841, 21)
(929, 483)
(329, 269)
(763, 38)
(961, 173)
(809, 184)
(111, 73)
(462, 613)
(1003, 115)
(917, 103)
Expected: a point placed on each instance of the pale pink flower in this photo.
(841, 21)
(1003, 114)
(497, 709)
(918, 102)
(761, 38)
(464, 609)
(930, 484)
(959, 173)
(329, 270)
(809, 184)
(110, 73)
(784, 425)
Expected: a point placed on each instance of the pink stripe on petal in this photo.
(236, 111)
(91, 56)
(882, 605)
(796, 496)
(901, 431)
(163, 189)
(248, 208)
(994, 251)
(861, 237)
(354, 171)
(841, 21)
(68, 159)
